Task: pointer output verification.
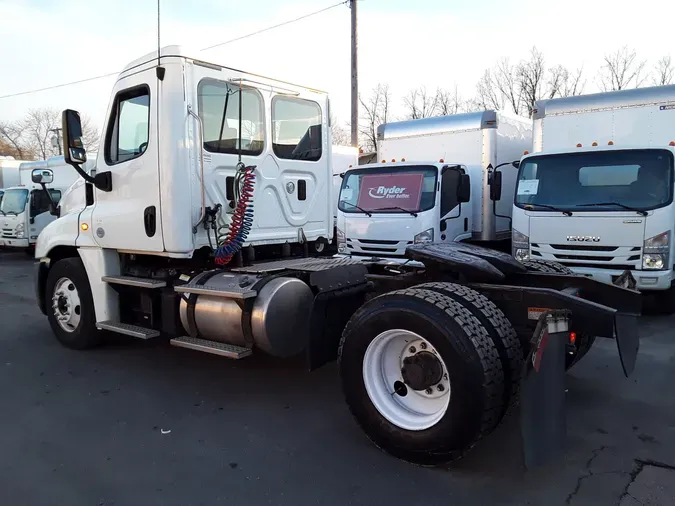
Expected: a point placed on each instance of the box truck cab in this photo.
(440, 179)
(597, 192)
(26, 209)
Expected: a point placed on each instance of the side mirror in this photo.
(464, 188)
(496, 186)
(42, 176)
(74, 151)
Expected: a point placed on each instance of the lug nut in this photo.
(440, 388)
(428, 391)
(423, 346)
(412, 349)
(445, 376)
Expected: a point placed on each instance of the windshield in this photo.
(604, 180)
(389, 190)
(14, 201)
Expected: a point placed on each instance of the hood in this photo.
(383, 235)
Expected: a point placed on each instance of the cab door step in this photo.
(127, 329)
(214, 347)
(133, 281)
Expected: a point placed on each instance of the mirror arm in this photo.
(52, 205)
(82, 173)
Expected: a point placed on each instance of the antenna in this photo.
(160, 70)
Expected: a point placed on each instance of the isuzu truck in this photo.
(596, 193)
(211, 186)
(438, 180)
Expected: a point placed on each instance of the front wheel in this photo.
(421, 376)
(70, 306)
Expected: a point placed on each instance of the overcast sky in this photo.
(403, 43)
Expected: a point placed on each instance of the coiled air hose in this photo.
(242, 218)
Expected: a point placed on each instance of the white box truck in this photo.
(596, 193)
(411, 195)
(9, 171)
(25, 209)
(427, 368)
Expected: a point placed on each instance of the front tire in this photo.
(70, 306)
(426, 424)
(547, 266)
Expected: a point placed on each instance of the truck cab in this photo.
(383, 208)
(597, 192)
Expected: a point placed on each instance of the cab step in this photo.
(127, 329)
(231, 292)
(214, 347)
(134, 281)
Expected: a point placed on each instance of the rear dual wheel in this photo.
(422, 375)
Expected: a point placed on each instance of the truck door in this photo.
(39, 215)
(128, 217)
(453, 221)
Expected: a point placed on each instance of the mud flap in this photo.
(542, 405)
(627, 340)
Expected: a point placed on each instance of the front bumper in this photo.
(15, 243)
(646, 280)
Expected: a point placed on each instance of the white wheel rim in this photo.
(382, 364)
(66, 304)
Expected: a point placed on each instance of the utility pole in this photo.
(57, 137)
(355, 79)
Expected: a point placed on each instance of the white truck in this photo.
(210, 186)
(25, 209)
(428, 168)
(596, 193)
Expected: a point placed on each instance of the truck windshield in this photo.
(14, 201)
(389, 190)
(639, 179)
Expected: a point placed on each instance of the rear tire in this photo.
(502, 333)
(476, 379)
(547, 266)
(70, 306)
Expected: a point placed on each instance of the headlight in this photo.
(656, 252)
(520, 245)
(19, 231)
(423, 237)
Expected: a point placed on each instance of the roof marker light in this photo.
(594, 144)
(672, 143)
(526, 152)
(441, 161)
(610, 143)
(403, 159)
(393, 160)
(578, 145)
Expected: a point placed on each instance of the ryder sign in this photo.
(380, 191)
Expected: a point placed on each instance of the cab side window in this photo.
(296, 129)
(129, 126)
(449, 183)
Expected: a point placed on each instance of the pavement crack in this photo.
(637, 469)
(594, 454)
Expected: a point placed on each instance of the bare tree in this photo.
(419, 104)
(449, 102)
(376, 111)
(31, 137)
(12, 137)
(500, 88)
(530, 80)
(664, 73)
(565, 83)
(622, 70)
(341, 135)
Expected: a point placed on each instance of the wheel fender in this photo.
(61, 232)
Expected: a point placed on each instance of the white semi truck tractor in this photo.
(212, 186)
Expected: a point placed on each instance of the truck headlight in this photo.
(656, 252)
(520, 245)
(341, 241)
(19, 230)
(423, 237)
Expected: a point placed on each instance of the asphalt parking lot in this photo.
(139, 423)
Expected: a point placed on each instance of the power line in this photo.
(205, 49)
(58, 85)
(345, 2)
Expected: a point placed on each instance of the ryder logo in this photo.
(398, 190)
(382, 192)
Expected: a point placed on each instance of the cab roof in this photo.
(178, 51)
